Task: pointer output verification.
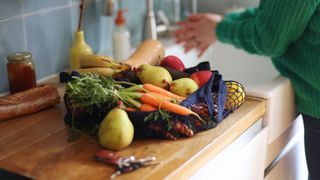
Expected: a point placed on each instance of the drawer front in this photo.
(244, 163)
(291, 166)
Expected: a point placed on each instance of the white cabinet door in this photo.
(292, 165)
(247, 163)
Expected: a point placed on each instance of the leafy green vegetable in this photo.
(92, 89)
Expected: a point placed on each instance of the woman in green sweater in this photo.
(288, 31)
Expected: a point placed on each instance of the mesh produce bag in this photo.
(208, 102)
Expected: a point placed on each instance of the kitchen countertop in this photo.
(36, 146)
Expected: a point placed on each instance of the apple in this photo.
(201, 77)
(173, 62)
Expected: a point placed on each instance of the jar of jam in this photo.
(21, 73)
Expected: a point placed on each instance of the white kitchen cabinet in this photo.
(292, 166)
(290, 163)
(242, 160)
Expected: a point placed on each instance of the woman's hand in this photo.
(198, 31)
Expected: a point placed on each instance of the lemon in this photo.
(235, 95)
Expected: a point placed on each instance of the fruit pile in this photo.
(116, 100)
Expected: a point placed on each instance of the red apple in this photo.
(173, 62)
(201, 77)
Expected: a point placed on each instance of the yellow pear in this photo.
(116, 130)
(183, 87)
(155, 75)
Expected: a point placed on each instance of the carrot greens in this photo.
(92, 89)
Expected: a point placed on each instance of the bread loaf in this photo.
(28, 101)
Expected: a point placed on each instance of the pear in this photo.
(155, 75)
(116, 130)
(183, 87)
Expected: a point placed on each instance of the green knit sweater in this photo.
(288, 31)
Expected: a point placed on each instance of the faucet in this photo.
(163, 23)
(162, 26)
(109, 7)
(150, 29)
(194, 6)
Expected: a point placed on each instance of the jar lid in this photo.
(19, 56)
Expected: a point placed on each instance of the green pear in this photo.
(116, 130)
(155, 75)
(183, 87)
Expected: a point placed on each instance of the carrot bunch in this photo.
(151, 98)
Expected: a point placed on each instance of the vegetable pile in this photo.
(92, 89)
(158, 102)
(90, 93)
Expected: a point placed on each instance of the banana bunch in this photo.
(235, 95)
(102, 65)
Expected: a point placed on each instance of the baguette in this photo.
(28, 101)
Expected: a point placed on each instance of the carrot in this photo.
(156, 89)
(147, 107)
(164, 97)
(161, 95)
(160, 103)
(130, 109)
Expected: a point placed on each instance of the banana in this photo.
(95, 61)
(89, 61)
(235, 95)
(106, 72)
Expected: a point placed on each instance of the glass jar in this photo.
(21, 72)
